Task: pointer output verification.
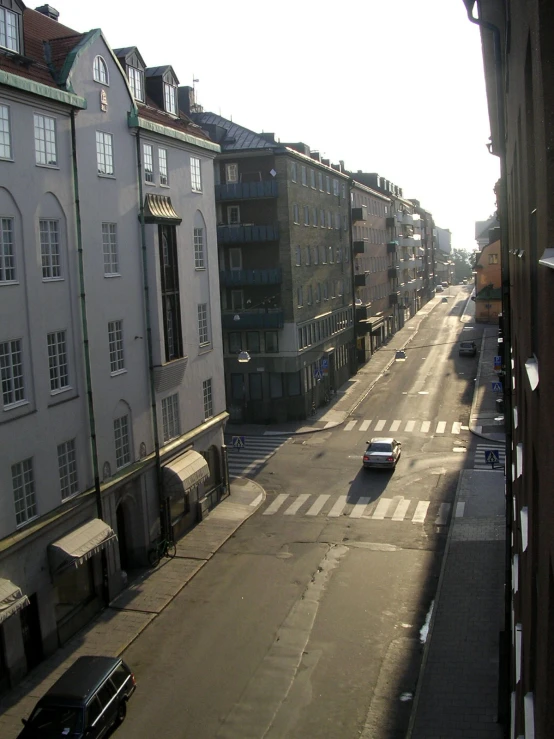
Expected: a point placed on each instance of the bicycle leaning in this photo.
(162, 548)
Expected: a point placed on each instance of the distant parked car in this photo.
(439, 289)
(464, 281)
(444, 300)
(444, 283)
(382, 452)
(467, 349)
(400, 355)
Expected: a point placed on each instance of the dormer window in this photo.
(9, 30)
(100, 69)
(170, 99)
(136, 82)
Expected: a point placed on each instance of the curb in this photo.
(473, 402)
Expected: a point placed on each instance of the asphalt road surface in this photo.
(309, 621)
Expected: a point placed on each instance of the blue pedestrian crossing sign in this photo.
(497, 387)
(492, 456)
(238, 442)
(317, 374)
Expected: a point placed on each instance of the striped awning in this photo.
(78, 546)
(158, 209)
(184, 473)
(11, 599)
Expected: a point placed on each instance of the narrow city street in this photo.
(309, 621)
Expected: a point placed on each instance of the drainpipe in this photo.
(354, 362)
(86, 347)
(505, 654)
(164, 521)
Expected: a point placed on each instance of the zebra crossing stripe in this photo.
(380, 425)
(364, 425)
(277, 503)
(381, 508)
(298, 503)
(410, 426)
(456, 427)
(337, 509)
(359, 508)
(350, 425)
(421, 511)
(442, 518)
(401, 509)
(441, 426)
(395, 425)
(318, 505)
(460, 507)
(425, 426)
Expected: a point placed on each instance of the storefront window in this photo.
(179, 506)
(73, 590)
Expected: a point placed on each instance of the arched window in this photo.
(100, 70)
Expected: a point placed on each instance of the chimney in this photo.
(269, 137)
(341, 162)
(315, 155)
(325, 162)
(48, 11)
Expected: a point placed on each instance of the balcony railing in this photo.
(358, 247)
(233, 277)
(252, 319)
(247, 233)
(247, 190)
(406, 241)
(405, 218)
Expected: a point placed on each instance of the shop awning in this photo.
(185, 472)
(78, 546)
(11, 599)
(158, 209)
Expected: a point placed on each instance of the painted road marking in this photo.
(442, 518)
(410, 426)
(382, 508)
(425, 426)
(421, 511)
(359, 508)
(395, 425)
(298, 503)
(441, 425)
(364, 425)
(401, 509)
(338, 508)
(318, 505)
(277, 503)
(460, 507)
(350, 425)
(380, 425)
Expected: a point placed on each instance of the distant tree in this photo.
(463, 264)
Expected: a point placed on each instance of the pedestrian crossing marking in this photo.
(410, 426)
(480, 462)
(421, 511)
(460, 508)
(381, 508)
(425, 426)
(364, 425)
(359, 508)
(456, 427)
(337, 509)
(277, 503)
(255, 453)
(441, 426)
(395, 425)
(380, 425)
(401, 509)
(298, 503)
(442, 517)
(350, 425)
(318, 505)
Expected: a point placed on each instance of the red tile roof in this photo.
(151, 112)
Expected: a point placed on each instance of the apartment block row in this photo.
(162, 270)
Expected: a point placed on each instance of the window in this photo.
(136, 77)
(329, 221)
(170, 99)
(322, 218)
(325, 291)
(315, 255)
(109, 246)
(208, 403)
(296, 216)
(235, 259)
(271, 341)
(293, 172)
(122, 446)
(323, 252)
(314, 217)
(331, 259)
(320, 177)
(298, 256)
(493, 258)
(345, 223)
(100, 70)
(199, 249)
(203, 333)
(318, 293)
(11, 372)
(57, 362)
(45, 140)
(162, 166)
(312, 178)
(300, 296)
(9, 30)
(195, 174)
(148, 163)
(50, 249)
(171, 303)
(23, 483)
(104, 153)
(335, 187)
(233, 215)
(67, 466)
(170, 417)
(237, 299)
(328, 184)
(7, 261)
(343, 186)
(306, 215)
(307, 256)
(231, 173)
(235, 343)
(304, 176)
(309, 297)
(5, 138)
(253, 342)
(337, 221)
(115, 337)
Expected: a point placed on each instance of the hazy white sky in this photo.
(389, 86)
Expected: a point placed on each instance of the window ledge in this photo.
(532, 369)
(9, 282)
(105, 176)
(24, 523)
(116, 373)
(52, 279)
(60, 390)
(48, 166)
(112, 274)
(200, 269)
(18, 404)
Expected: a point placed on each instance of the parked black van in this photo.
(86, 701)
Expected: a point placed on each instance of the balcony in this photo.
(393, 299)
(252, 319)
(247, 233)
(393, 273)
(358, 247)
(247, 190)
(360, 280)
(406, 219)
(235, 277)
(406, 241)
(391, 222)
(359, 214)
(391, 247)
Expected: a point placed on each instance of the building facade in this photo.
(488, 283)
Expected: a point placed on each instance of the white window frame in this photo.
(203, 325)
(300, 296)
(170, 98)
(237, 304)
(58, 363)
(46, 153)
(195, 174)
(104, 154)
(122, 441)
(208, 398)
(9, 21)
(100, 70)
(67, 468)
(23, 488)
(235, 251)
(116, 348)
(8, 274)
(231, 173)
(304, 175)
(148, 162)
(306, 215)
(136, 82)
(11, 370)
(231, 209)
(162, 167)
(170, 417)
(328, 184)
(5, 133)
(295, 213)
(49, 231)
(199, 255)
(110, 250)
(312, 179)
(336, 190)
(293, 172)
(320, 178)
